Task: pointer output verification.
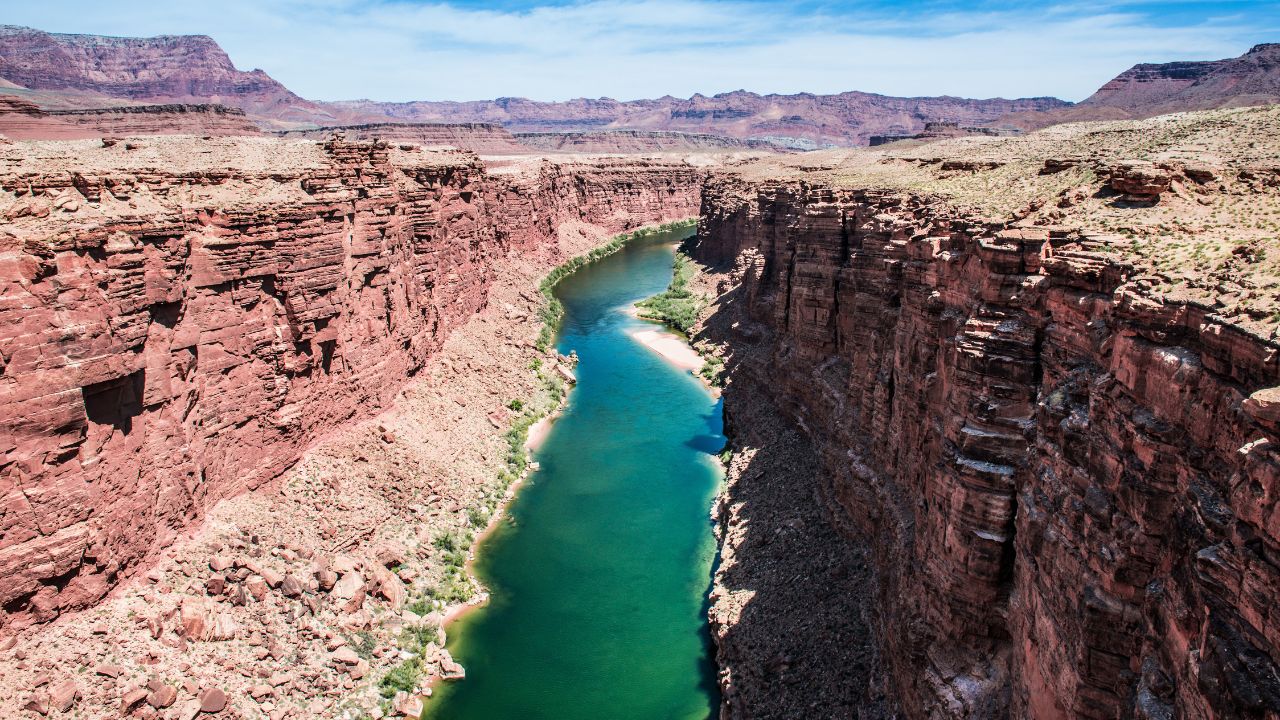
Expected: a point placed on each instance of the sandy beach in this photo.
(538, 431)
(671, 347)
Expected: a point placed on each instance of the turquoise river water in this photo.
(599, 579)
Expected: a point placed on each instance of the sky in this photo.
(400, 50)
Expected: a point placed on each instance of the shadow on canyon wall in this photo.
(799, 588)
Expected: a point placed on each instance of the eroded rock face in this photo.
(169, 339)
(1070, 506)
(24, 120)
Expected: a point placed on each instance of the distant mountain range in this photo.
(1150, 89)
(59, 71)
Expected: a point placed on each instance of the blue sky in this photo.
(627, 49)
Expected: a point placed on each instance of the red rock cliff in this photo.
(1068, 496)
(171, 337)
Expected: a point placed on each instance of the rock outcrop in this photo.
(483, 138)
(183, 318)
(1066, 485)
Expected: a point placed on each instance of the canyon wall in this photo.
(1066, 485)
(183, 318)
(23, 120)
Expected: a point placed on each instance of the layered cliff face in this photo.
(166, 69)
(23, 120)
(184, 317)
(1064, 474)
(1149, 89)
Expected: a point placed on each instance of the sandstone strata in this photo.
(83, 71)
(1064, 475)
(23, 120)
(185, 318)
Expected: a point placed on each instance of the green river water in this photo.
(598, 582)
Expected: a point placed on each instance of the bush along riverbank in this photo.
(677, 307)
(459, 590)
(680, 307)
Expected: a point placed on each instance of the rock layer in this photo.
(484, 138)
(23, 120)
(1070, 508)
(175, 337)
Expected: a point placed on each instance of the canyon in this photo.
(1056, 462)
(185, 320)
(1003, 410)
(173, 339)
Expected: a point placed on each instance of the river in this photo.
(599, 574)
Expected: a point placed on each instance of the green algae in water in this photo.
(598, 585)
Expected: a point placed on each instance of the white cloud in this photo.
(339, 49)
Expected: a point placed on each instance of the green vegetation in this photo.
(363, 643)
(419, 607)
(416, 638)
(447, 541)
(455, 586)
(676, 306)
(713, 369)
(401, 678)
(516, 404)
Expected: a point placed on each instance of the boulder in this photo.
(202, 620)
(63, 695)
(132, 699)
(162, 696)
(213, 700)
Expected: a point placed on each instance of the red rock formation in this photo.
(170, 338)
(167, 69)
(23, 120)
(1071, 508)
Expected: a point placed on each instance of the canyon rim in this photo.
(986, 391)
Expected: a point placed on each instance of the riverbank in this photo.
(672, 348)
